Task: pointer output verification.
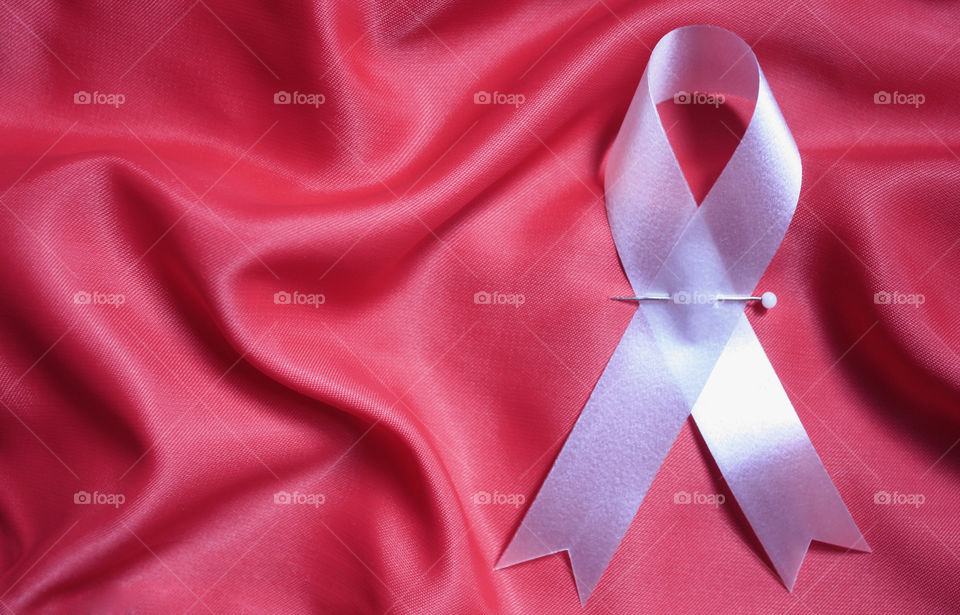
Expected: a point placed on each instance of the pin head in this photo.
(768, 300)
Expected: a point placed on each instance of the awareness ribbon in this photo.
(683, 357)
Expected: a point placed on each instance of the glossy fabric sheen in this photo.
(658, 371)
(429, 421)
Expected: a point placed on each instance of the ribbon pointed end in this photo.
(860, 544)
(846, 535)
(585, 574)
(788, 563)
(526, 546)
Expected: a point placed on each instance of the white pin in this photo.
(768, 300)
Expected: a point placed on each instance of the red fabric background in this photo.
(400, 399)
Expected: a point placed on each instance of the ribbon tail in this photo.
(596, 485)
(588, 558)
(767, 459)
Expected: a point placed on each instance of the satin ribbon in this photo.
(695, 357)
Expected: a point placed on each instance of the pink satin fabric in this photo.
(427, 420)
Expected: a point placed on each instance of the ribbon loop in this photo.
(692, 354)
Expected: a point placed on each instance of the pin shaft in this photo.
(767, 299)
(668, 298)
